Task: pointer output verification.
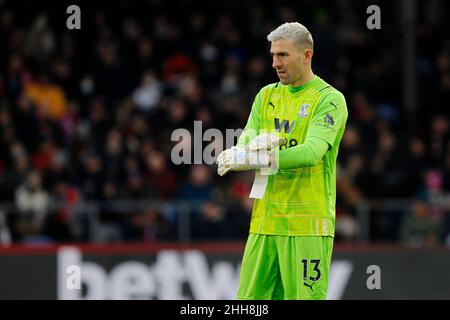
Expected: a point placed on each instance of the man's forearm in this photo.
(305, 155)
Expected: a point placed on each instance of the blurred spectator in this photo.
(349, 183)
(113, 157)
(440, 133)
(198, 187)
(347, 228)
(62, 224)
(388, 167)
(32, 198)
(33, 204)
(5, 234)
(70, 122)
(239, 213)
(160, 177)
(147, 95)
(420, 228)
(108, 227)
(16, 76)
(40, 41)
(133, 228)
(49, 98)
(176, 68)
(109, 72)
(433, 190)
(211, 222)
(417, 162)
(91, 177)
(96, 126)
(25, 115)
(147, 227)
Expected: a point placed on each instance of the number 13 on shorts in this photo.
(311, 272)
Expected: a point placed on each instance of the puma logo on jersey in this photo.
(271, 104)
(285, 124)
(308, 285)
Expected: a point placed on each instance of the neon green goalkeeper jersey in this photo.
(299, 201)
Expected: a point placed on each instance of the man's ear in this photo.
(308, 55)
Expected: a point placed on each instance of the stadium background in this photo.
(86, 118)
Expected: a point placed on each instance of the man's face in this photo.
(289, 61)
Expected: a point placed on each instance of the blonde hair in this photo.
(293, 30)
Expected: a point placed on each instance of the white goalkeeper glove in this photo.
(241, 159)
(255, 155)
(265, 141)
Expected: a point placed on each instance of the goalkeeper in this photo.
(299, 123)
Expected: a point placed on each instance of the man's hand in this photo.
(255, 155)
(265, 141)
(240, 159)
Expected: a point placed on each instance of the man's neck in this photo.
(304, 79)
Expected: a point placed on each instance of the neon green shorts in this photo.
(285, 267)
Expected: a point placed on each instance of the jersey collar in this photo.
(293, 89)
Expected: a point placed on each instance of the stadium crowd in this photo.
(86, 117)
